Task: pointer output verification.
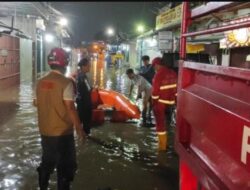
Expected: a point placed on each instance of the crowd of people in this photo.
(157, 86)
(58, 116)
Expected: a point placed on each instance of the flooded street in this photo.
(121, 156)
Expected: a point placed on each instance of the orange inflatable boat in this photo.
(124, 108)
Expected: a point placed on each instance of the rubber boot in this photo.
(162, 141)
(43, 179)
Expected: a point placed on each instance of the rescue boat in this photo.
(123, 108)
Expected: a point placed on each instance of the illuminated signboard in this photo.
(169, 17)
(236, 38)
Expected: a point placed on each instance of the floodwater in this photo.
(118, 156)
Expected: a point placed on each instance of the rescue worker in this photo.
(83, 99)
(147, 71)
(164, 90)
(57, 117)
(144, 89)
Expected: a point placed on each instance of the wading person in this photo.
(144, 89)
(147, 70)
(164, 90)
(83, 99)
(57, 117)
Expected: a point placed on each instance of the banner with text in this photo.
(169, 18)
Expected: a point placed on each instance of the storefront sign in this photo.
(195, 48)
(165, 45)
(236, 38)
(169, 17)
(165, 35)
(165, 39)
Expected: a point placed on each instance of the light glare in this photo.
(140, 28)
(63, 22)
(110, 31)
(49, 38)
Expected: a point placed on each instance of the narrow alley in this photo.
(145, 95)
(119, 156)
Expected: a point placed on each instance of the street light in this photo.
(110, 31)
(63, 22)
(140, 28)
(49, 38)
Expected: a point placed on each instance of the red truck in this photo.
(213, 115)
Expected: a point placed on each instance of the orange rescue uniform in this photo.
(164, 89)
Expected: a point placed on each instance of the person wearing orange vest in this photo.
(57, 119)
(164, 88)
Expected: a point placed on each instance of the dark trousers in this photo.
(57, 152)
(146, 110)
(85, 115)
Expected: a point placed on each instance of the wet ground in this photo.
(118, 156)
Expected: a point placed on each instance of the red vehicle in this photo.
(213, 116)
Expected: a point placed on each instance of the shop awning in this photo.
(37, 9)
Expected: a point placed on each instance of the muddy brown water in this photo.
(118, 156)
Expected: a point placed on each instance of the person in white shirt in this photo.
(144, 91)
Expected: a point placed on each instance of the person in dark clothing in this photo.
(83, 97)
(58, 153)
(57, 120)
(147, 71)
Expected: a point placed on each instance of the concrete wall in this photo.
(26, 25)
(9, 61)
(26, 69)
(132, 54)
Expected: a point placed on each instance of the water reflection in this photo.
(115, 155)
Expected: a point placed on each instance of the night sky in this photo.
(87, 19)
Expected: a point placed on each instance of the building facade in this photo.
(26, 24)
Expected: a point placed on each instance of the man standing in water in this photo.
(83, 99)
(147, 70)
(57, 117)
(164, 89)
(144, 88)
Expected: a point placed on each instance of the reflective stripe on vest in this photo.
(155, 97)
(165, 87)
(167, 102)
(162, 133)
